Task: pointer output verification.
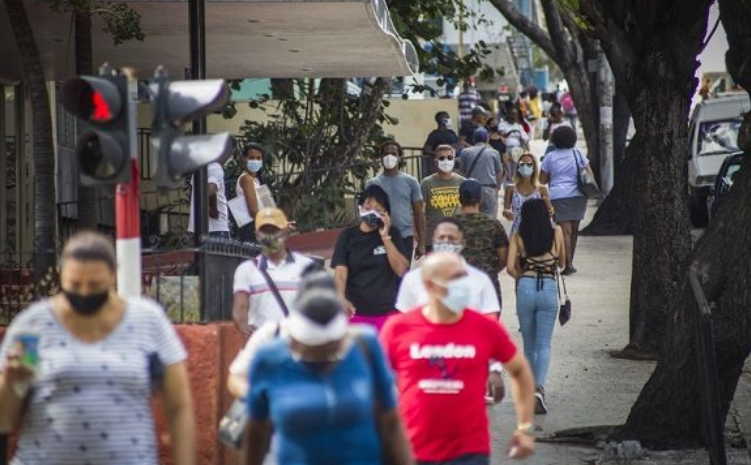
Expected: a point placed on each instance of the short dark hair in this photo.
(450, 220)
(564, 137)
(441, 115)
(253, 146)
(535, 229)
(90, 246)
(375, 192)
(390, 142)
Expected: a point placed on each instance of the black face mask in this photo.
(87, 305)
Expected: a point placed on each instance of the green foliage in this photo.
(121, 22)
(421, 21)
(313, 162)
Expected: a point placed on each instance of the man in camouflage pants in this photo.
(485, 240)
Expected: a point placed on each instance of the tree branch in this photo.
(612, 37)
(561, 41)
(526, 27)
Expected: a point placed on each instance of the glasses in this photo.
(527, 164)
(448, 157)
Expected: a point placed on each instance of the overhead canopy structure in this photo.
(248, 38)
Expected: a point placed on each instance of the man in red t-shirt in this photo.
(440, 355)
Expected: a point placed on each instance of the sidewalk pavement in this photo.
(585, 386)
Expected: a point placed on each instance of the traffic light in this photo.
(175, 104)
(103, 149)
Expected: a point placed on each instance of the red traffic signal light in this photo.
(92, 99)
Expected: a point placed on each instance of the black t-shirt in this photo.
(441, 136)
(371, 283)
(467, 131)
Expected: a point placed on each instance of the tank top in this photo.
(544, 266)
(517, 200)
(239, 190)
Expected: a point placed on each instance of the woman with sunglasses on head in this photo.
(441, 190)
(526, 187)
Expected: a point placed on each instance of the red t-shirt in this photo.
(442, 372)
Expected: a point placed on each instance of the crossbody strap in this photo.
(474, 162)
(263, 268)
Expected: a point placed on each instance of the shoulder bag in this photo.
(233, 423)
(564, 313)
(474, 162)
(585, 180)
(387, 455)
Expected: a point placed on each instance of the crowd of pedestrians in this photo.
(389, 357)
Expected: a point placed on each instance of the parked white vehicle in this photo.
(713, 136)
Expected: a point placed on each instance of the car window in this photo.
(716, 137)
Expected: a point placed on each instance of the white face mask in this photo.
(526, 171)
(446, 246)
(310, 333)
(458, 294)
(446, 166)
(390, 161)
(447, 123)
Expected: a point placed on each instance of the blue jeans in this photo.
(537, 308)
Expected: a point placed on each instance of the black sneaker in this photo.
(540, 407)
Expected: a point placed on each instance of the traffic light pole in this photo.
(197, 23)
(128, 209)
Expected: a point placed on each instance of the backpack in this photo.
(567, 103)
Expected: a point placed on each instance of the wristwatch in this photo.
(525, 428)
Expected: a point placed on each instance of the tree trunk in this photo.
(666, 411)
(44, 155)
(580, 86)
(87, 196)
(621, 120)
(662, 240)
(616, 214)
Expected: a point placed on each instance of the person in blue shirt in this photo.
(325, 390)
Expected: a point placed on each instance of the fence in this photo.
(708, 377)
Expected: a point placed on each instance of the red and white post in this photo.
(128, 208)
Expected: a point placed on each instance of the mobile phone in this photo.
(30, 345)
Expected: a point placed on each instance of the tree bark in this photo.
(44, 155)
(87, 196)
(666, 413)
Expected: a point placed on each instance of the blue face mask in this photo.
(254, 166)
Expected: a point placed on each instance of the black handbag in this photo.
(584, 179)
(564, 313)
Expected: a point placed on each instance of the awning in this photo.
(250, 38)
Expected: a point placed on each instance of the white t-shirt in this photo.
(263, 306)
(515, 134)
(412, 292)
(216, 176)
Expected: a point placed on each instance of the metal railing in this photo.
(708, 383)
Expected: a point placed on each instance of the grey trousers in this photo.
(489, 201)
